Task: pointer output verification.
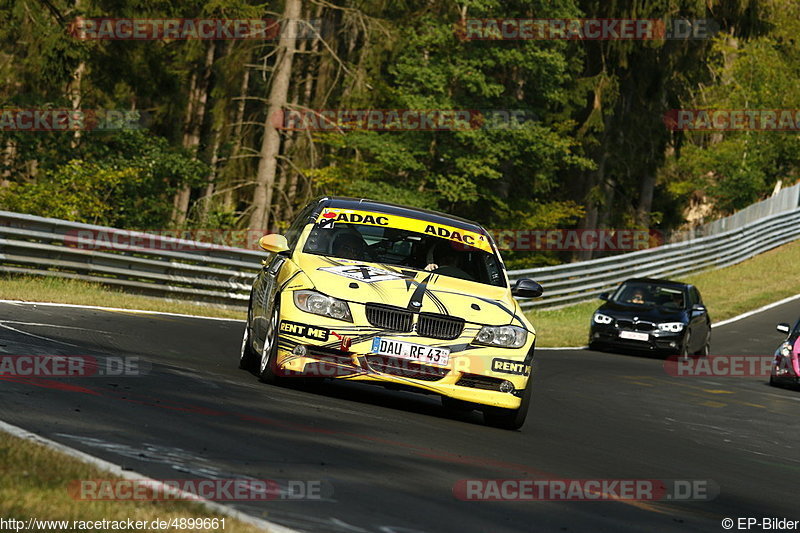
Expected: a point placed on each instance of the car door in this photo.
(699, 321)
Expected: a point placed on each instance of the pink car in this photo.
(786, 366)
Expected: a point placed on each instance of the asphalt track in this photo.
(390, 458)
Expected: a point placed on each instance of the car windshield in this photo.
(650, 294)
(446, 255)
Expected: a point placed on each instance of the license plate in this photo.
(411, 351)
(634, 336)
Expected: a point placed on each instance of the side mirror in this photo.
(698, 307)
(273, 243)
(526, 288)
(603, 296)
(783, 327)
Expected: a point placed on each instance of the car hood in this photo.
(643, 312)
(365, 282)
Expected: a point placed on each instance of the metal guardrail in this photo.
(204, 272)
(165, 267)
(784, 200)
(575, 282)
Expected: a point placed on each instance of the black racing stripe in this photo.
(529, 356)
(495, 303)
(415, 303)
(285, 283)
(435, 299)
(329, 260)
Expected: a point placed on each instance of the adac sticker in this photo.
(365, 273)
(507, 366)
(329, 217)
(304, 330)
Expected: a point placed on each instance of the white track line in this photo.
(118, 309)
(755, 311)
(131, 475)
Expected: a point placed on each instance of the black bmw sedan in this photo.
(652, 315)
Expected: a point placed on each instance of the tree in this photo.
(271, 140)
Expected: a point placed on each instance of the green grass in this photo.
(726, 292)
(58, 290)
(36, 482)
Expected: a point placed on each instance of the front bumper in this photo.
(658, 341)
(482, 375)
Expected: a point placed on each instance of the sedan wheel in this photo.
(705, 350)
(247, 358)
(685, 346)
(510, 418)
(266, 370)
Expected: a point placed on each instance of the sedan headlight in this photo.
(319, 304)
(600, 318)
(785, 349)
(673, 327)
(505, 336)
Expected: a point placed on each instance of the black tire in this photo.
(510, 418)
(684, 351)
(267, 368)
(706, 349)
(596, 346)
(457, 406)
(247, 357)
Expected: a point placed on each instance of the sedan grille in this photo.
(635, 326)
(439, 326)
(391, 318)
(404, 368)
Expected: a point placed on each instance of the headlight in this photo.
(674, 327)
(600, 318)
(319, 304)
(505, 336)
(785, 350)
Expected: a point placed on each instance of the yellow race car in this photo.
(407, 298)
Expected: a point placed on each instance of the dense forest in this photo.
(581, 141)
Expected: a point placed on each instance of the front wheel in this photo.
(687, 339)
(269, 353)
(706, 349)
(247, 357)
(510, 418)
